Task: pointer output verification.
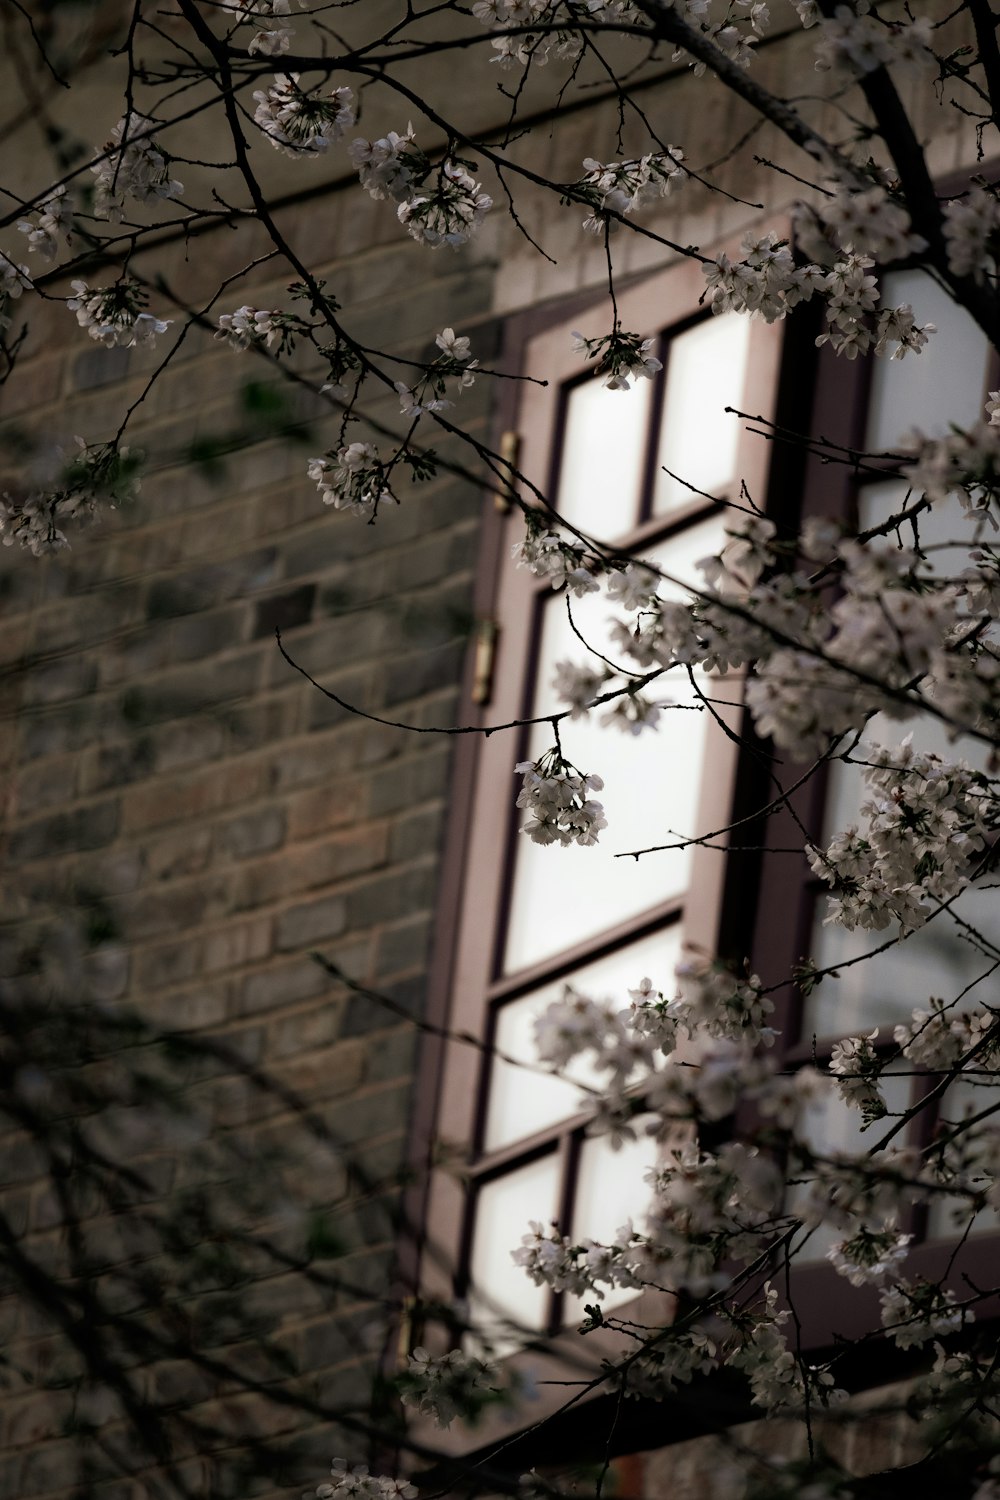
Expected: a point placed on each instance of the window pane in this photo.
(936, 960)
(706, 372)
(603, 457)
(610, 1190)
(501, 1292)
(829, 1126)
(948, 1216)
(943, 383)
(563, 896)
(522, 1102)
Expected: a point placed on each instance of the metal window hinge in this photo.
(483, 661)
(510, 445)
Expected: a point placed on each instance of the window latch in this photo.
(483, 661)
(510, 444)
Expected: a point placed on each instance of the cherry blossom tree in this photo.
(833, 626)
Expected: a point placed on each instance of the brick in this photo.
(311, 922)
(102, 766)
(404, 784)
(232, 947)
(54, 682)
(181, 797)
(284, 611)
(203, 635)
(190, 690)
(206, 1006)
(370, 1115)
(254, 832)
(183, 852)
(304, 1031)
(312, 813)
(106, 972)
(300, 979)
(364, 1013)
(421, 672)
(326, 1073)
(178, 907)
(36, 1418)
(392, 1057)
(403, 948)
(397, 893)
(166, 964)
(419, 833)
(85, 828)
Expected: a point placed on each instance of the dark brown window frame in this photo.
(439, 1205)
(827, 1308)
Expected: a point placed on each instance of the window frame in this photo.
(466, 985)
(825, 1310)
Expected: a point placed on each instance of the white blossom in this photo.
(300, 123)
(555, 796)
(447, 208)
(971, 225)
(49, 223)
(249, 326)
(355, 1483)
(913, 1313)
(132, 165)
(450, 1385)
(113, 315)
(354, 479)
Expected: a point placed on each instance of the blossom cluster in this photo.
(114, 315)
(556, 36)
(450, 1385)
(441, 205)
(855, 42)
(926, 822)
(50, 223)
(356, 1483)
(273, 30)
(132, 165)
(620, 357)
(14, 279)
(354, 479)
(556, 797)
(101, 475)
(623, 187)
(300, 123)
(455, 362)
(768, 283)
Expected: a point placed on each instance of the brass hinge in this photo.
(510, 445)
(482, 666)
(404, 1342)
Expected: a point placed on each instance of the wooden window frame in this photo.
(827, 1309)
(465, 984)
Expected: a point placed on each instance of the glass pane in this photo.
(563, 896)
(943, 383)
(501, 1293)
(522, 1102)
(828, 1126)
(947, 532)
(609, 1190)
(603, 456)
(936, 960)
(950, 1216)
(706, 372)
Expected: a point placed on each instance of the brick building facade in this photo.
(187, 819)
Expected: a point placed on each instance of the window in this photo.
(531, 919)
(869, 407)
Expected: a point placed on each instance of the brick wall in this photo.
(186, 817)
